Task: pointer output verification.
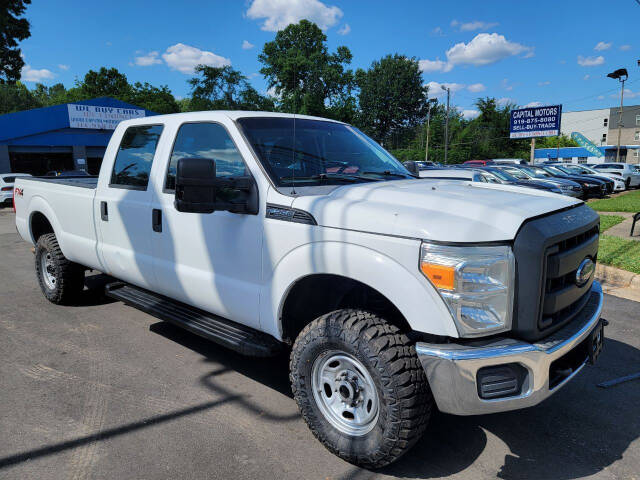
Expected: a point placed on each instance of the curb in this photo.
(616, 277)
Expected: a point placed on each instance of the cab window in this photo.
(205, 140)
(132, 166)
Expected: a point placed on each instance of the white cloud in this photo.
(246, 45)
(506, 85)
(476, 25)
(470, 114)
(151, 58)
(436, 65)
(533, 104)
(586, 77)
(624, 48)
(504, 100)
(476, 87)
(28, 74)
(484, 49)
(62, 66)
(590, 61)
(280, 13)
(436, 90)
(454, 23)
(627, 94)
(600, 97)
(184, 58)
(437, 31)
(602, 46)
(345, 29)
(542, 84)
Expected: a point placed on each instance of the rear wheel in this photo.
(360, 387)
(61, 280)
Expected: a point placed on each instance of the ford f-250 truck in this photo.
(395, 295)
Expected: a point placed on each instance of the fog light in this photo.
(500, 381)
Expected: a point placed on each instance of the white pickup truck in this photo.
(264, 232)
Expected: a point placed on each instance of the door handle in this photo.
(156, 220)
(104, 211)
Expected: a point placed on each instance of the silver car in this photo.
(627, 172)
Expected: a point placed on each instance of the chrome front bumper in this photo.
(452, 368)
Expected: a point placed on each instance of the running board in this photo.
(242, 339)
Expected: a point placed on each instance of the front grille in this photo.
(548, 252)
(562, 299)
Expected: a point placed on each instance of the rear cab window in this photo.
(132, 165)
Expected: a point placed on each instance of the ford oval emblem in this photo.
(585, 271)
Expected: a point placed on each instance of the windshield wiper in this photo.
(330, 176)
(388, 173)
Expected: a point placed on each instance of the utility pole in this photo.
(446, 124)
(426, 150)
(532, 156)
(621, 75)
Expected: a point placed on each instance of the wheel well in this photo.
(315, 295)
(40, 226)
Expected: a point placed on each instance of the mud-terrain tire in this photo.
(352, 341)
(60, 279)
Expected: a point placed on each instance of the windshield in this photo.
(519, 174)
(568, 170)
(322, 153)
(502, 175)
(537, 172)
(554, 171)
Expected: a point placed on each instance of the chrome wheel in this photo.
(345, 392)
(48, 271)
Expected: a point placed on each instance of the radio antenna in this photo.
(293, 150)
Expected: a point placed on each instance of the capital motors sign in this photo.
(535, 122)
(100, 118)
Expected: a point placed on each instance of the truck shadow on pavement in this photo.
(576, 433)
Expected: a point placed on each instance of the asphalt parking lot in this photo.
(100, 390)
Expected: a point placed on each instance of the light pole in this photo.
(446, 124)
(621, 75)
(430, 102)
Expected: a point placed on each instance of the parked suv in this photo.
(6, 186)
(627, 172)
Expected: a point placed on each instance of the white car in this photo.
(6, 186)
(393, 295)
(627, 172)
(618, 182)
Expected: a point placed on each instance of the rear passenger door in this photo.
(123, 206)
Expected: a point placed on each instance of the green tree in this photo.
(13, 29)
(224, 88)
(305, 77)
(157, 99)
(392, 98)
(15, 97)
(106, 82)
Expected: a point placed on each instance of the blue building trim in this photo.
(46, 126)
(570, 152)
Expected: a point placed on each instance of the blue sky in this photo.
(525, 52)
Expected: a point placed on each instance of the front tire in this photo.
(360, 387)
(61, 280)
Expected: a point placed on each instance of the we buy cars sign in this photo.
(535, 122)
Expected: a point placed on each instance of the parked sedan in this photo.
(568, 187)
(618, 183)
(627, 172)
(6, 186)
(506, 178)
(609, 184)
(592, 187)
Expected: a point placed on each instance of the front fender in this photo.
(411, 293)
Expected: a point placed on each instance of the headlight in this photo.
(476, 283)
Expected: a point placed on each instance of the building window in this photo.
(604, 138)
(637, 119)
(606, 122)
(135, 156)
(637, 136)
(582, 159)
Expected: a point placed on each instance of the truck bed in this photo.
(79, 181)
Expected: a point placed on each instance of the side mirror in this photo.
(412, 167)
(196, 185)
(198, 190)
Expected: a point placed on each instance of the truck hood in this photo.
(438, 210)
